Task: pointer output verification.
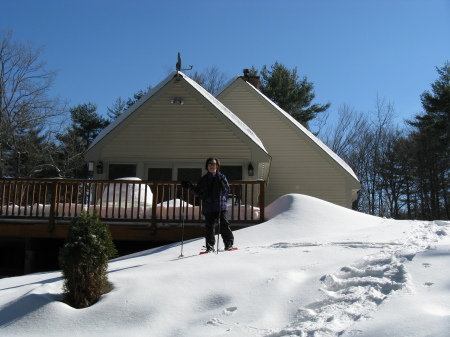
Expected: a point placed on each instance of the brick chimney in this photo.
(253, 80)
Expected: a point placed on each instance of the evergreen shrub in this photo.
(84, 260)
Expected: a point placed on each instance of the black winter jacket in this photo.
(209, 188)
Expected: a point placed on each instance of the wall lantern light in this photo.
(90, 169)
(100, 168)
(177, 100)
(250, 170)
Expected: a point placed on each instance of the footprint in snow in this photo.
(292, 245)
(350, 294)
(216, 301)
(229, 311)
(215, 322)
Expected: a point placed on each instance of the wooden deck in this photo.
(134, 210)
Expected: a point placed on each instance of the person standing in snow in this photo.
(213, 189)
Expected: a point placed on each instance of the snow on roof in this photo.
(308, 133)
(222, 108)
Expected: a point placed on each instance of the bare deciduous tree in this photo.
(382, 126)
(211, 79)
(24, 101)
(360, 139)
(348, 130)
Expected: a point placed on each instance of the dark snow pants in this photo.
(211, 220)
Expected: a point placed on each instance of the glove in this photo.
(186, 184)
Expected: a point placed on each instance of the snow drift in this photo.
(313, 269)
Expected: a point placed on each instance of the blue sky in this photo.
(352, 50)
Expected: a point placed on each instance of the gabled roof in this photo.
(111, 126)
(226, 112)
(300, 128)
(216, 103)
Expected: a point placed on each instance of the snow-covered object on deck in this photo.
(128, 194)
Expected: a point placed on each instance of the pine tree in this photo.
(436, 119)
(294, 95)
(433, 149)
(120, 106)
(86, 125)
(84, 260)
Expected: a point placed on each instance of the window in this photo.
(159, 174)
(189, 174)
(232, 172)
(121, 171)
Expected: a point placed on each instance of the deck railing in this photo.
(122, 201)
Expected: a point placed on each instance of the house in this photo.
(168, 134)
(301, 163)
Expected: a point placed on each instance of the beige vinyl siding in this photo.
(160, 129)
(298, 165)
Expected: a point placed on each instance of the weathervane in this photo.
(178, 65)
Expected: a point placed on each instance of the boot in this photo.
(228, 245)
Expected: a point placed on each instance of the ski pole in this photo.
(218, 222)
(182, 221)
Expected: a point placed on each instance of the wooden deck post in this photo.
(154, 203)
(29, 257)
(262, 201)
(51, 219)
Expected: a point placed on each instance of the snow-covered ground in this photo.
(313, 269)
